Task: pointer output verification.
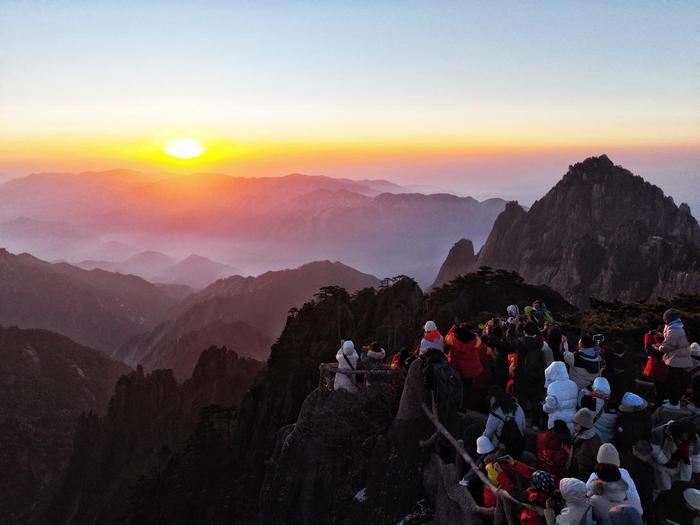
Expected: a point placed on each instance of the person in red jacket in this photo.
(464, 356)
(553, 449)
(542, 486)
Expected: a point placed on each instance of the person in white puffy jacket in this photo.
(578, 510)
(608, 456)
(562, 395)
(347, 360)
(597, 399)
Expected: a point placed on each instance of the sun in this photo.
(184, 148)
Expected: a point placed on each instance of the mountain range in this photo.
(245, 314)
(600, 232)
(194, 271)
(254, 224)
(96, 308)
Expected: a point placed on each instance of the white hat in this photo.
(484, 445)
(695, 350)
(348, 347)
(430, 326)
(692, 498)
(607, 453)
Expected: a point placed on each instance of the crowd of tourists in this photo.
(582, 431)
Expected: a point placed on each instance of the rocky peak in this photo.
(460, 260)
(601, 231)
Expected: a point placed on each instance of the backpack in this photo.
(447, 385)
(510, 435)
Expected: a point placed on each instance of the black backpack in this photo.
(447, 385)
(510, 435)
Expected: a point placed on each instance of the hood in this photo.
(601, 386)
(615, 490)
(572, 490)
(555, 372)
(624, 515)
(632, 403)
(348, 348)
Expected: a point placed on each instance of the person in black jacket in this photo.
(529, 373)
(633, 422)
(637, 463)
(680, 504)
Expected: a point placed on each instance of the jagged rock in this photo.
(600, 232)
(460, 260)
(148, 419)
(46, 381)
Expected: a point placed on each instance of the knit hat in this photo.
(671, 315)
(542, 481)
(624, 515)
(560, 427)
(695, 349)
(348, 347)
(630, 400)
(692, 498)
(430, 326)
(584, 417)
(513, 310)
(607, 453)
(484, 445)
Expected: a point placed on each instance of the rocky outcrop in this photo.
(149, 418)
(460, 260)
(46, 382)
(600, 232)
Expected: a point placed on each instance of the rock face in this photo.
(148, 419)
(46, 382)
(460, 260)
(96, 308)
(600, 232)
(243, 313)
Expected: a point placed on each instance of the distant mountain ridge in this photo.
(97, 308)
(600, 232)
(245, 314)
(194, 271)
(251, 223)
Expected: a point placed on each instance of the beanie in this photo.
(430, 326)
(624, 515)
(542, 481)
(484, 445)
(584, 417)
(348, 347)
(607, 453)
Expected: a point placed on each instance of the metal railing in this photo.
(327, 372)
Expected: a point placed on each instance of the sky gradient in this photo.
(454, 95)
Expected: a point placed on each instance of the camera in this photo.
(598, 338)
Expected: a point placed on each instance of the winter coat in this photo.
(432, 340)
(529, 368)
(584, 453)
(643, 475)
(506, 480)
(346, 382)
(619, 493)
(494, 425)
(376, 357)
(584, 366)
(464, 355)
(676, 347)
(670, 505)
(613, 493)
(668, 412)
(633, 424)
(666, 449)
(597, 400)
(552, 455)
(573, 491)
(562, 393)
(532, 517)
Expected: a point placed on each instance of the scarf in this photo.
(675, 324)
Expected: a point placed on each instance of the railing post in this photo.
(459, 460)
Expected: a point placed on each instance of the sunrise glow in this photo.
(184, 148)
